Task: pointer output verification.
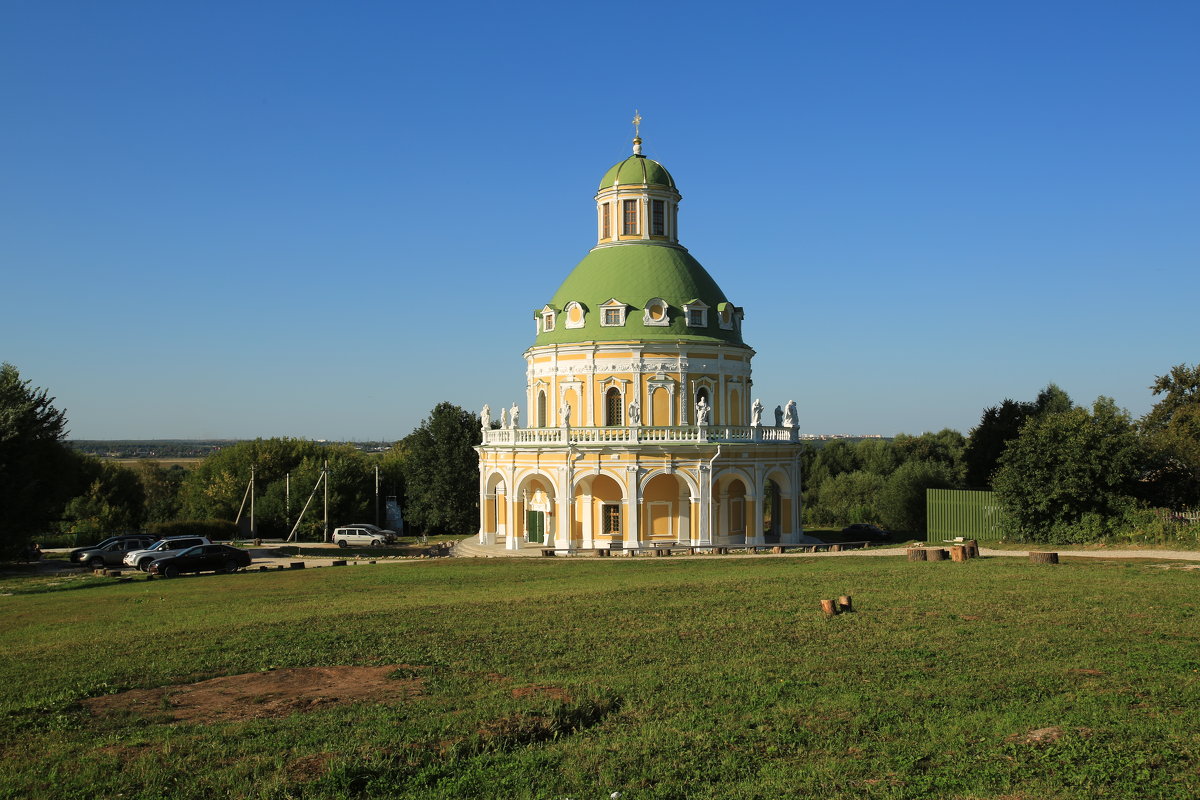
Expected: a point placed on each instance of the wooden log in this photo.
(1044, 558)
(958, 553)
(777, 550)
(835, 548)
(936, 554)
(829, 607)
(721, 551)
(844, 604)
(916, 554)
(972, 548)
(338, 564)
(296, 565)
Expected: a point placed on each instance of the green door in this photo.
(535, 526)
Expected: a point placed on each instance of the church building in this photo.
(639, 430)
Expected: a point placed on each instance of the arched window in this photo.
(702, 392)
(541, 409)
(612, 407)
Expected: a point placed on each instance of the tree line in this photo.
(48, 488)
(1063, 472)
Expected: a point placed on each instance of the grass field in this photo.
(657, 678)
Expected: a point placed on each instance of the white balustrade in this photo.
(561, 437)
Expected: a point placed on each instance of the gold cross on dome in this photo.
(637, 121)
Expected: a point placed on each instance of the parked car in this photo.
(202, 558)
(360, 535)
(142, 540)
(168, 546)
(860, 531)
(112, 553)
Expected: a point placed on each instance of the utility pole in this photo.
(377, 518)
(253, 530)
(325, 474)
(287, 498)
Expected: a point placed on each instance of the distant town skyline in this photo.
(238, 221)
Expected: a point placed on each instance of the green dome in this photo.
(635, 274)
(637, 169)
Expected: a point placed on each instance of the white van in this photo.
(362, 535)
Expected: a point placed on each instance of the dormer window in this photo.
(629, 213)
(576, 315)
(612, 314)
(726, 313)
(696, 314)
(547, 315)
(656, 313)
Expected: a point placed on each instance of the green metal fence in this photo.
(955, 512)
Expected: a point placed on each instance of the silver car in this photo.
(163, 547)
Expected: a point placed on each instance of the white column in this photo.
(684, 511)
(513, 540)
(633, 506)
(589, 513)
(760, 494)
(705, 534)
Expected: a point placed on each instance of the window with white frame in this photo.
(696, 315)
(547, 321)
(658, 218)
(629, 213)
(612, 316)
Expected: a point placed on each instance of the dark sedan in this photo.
(201, 558)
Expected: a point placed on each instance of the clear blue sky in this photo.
(320, 219)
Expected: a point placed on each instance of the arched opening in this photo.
(735, 507)
(571, 400)
(666, 510)
(599, 512)
(612, 407)
(772, 511)
(702, 393)
(660, 406)
(541, 409)
(537, 503)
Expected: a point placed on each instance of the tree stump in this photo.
(844, 604)
(916, 554)
(722, 551)
(972, 548)
(835, 548)
(829, 607)
(936, 554)
(296, 565)
(1044, 558)
(958, 553)
(777, 550)
(338, 564)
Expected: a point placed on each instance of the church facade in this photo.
(639, 428)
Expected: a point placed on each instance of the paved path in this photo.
(471, 548)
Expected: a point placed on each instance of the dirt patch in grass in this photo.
(1040, 737)
(309, 768)
(553, 692)
(258, 695)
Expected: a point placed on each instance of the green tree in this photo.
(216, 488)
(1001, 424)
(441, 471)
(1070, 475)
(32, 460)
(162, 489)
(1172, 431)
(901, 501)
(848, 497)
(945, 447)
(114, 501)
